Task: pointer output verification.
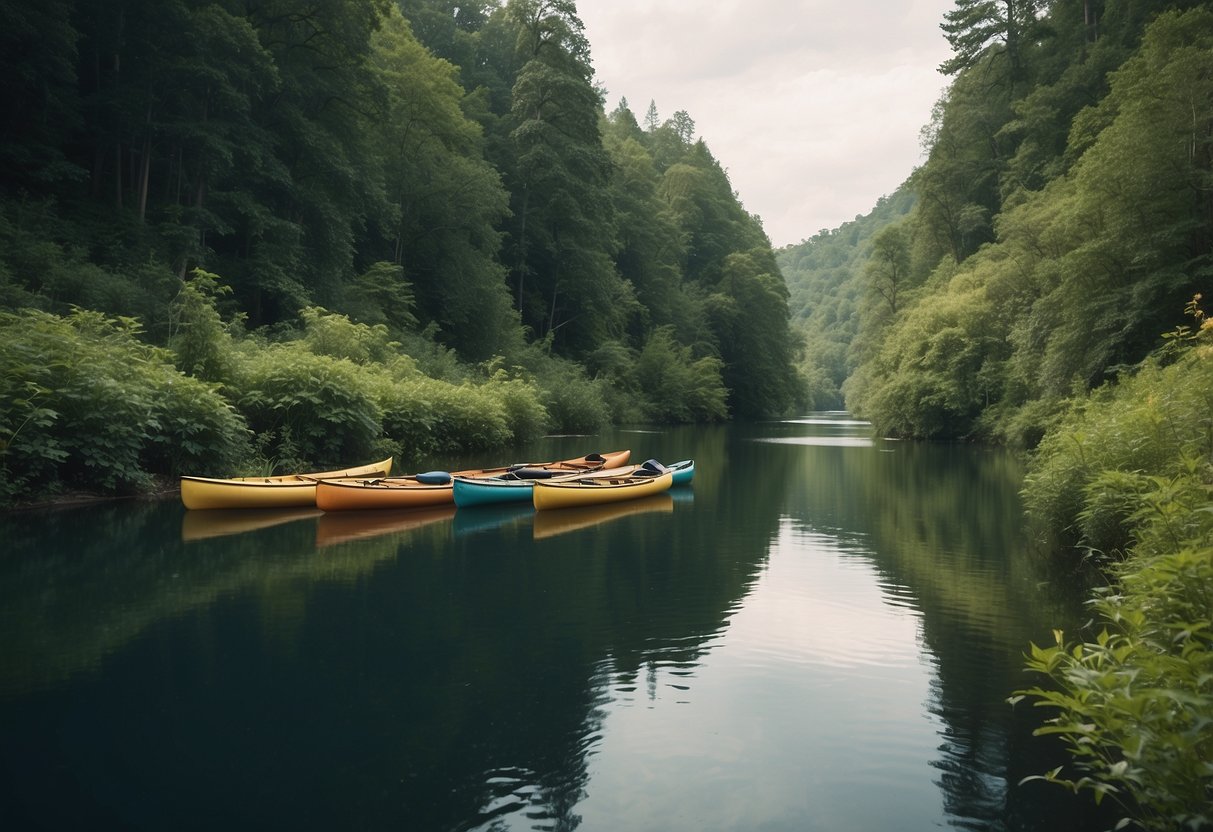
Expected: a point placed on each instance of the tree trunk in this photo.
(145, 167)
(522, 246)
(144, 176)
(118, 131)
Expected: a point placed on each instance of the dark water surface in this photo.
(819, 634)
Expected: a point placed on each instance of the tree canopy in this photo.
(446, 170)
(1059, 224)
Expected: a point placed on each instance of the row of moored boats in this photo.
(589, 480)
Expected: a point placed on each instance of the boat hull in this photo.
(481, 491)
(285, 491)
(354, 495)
(589, 491)
(473, 492)
(411, 492)
(684, 471)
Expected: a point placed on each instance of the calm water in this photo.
(819, 634)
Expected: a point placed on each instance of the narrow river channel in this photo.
(819, 633)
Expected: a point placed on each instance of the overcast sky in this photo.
(812, 106)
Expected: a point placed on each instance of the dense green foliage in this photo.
(1060, 221)
(90, 406)
(85, 404)
(1129, 472)
(826, 277)
(444, 172)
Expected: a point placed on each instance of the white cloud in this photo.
(813, 106)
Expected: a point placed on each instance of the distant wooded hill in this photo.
(1062, 220)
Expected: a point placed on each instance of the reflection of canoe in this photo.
(267, 492)
(199, 525)
(436, 487)
(683, 496)
(490, 517)
(586, 491)
(551, 523)
(342, 527)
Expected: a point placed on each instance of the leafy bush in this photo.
(427, 416)
(675, 386)
(574, 402)
(86, 404)
(525, 414)
(54, 263)
(194, 430)
(936, 369)
(1134, 704)
(197, 334)
(1145, 425)
(1132, 469)
(336, 335)
(328, 404)
(465, 417)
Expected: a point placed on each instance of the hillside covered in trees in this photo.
(1038, 282)
(1060, 222)
(280, 191)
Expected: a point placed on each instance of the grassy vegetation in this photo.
(87, 404)
(1129, 477)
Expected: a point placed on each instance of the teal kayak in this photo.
(480, 492)
(684, 471)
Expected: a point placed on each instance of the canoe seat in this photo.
(651, 468)
(531, 474)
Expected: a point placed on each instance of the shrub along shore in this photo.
(1128, 478)
(90, 407)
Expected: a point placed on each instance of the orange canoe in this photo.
(436, 487)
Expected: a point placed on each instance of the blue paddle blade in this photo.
(434, 478)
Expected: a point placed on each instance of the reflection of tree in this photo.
(78, 585)
(945, 523)
(429, 679)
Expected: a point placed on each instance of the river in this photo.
(820, 633)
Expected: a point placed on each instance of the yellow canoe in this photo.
(587, 491)
(282, 491)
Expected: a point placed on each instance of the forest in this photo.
(1037, 282)
(1057, 228)
(265, 234)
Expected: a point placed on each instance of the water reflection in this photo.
(943, 526)
(336, 527)
(816, 635)
(200, 525)
(561, 521)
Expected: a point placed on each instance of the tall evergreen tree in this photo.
(448, 200)
(972, 26)
(562, 236)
